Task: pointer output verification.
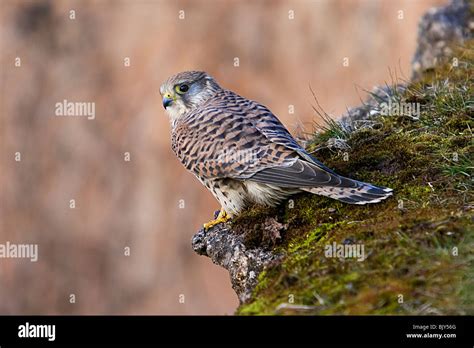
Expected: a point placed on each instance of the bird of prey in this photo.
(242, 153)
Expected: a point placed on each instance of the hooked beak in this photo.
(167, 100)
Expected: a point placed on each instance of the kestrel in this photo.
(242, 153)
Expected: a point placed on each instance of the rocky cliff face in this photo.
(439, 30)
(416, 250)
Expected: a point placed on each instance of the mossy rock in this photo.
(419, 244)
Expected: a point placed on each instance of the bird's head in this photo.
(186, 91)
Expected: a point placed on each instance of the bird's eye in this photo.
(181, 89)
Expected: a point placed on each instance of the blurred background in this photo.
(150, 204)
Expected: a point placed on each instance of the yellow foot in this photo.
(222, 217)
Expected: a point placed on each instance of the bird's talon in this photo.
(222, 217)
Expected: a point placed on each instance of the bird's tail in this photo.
(353, 192)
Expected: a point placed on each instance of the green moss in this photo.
(419, 245)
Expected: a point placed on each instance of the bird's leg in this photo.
(222, 217)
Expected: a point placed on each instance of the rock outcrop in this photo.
(439, 30)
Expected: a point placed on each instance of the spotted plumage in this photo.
(242, 153)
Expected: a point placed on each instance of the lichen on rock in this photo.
(234, 252)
